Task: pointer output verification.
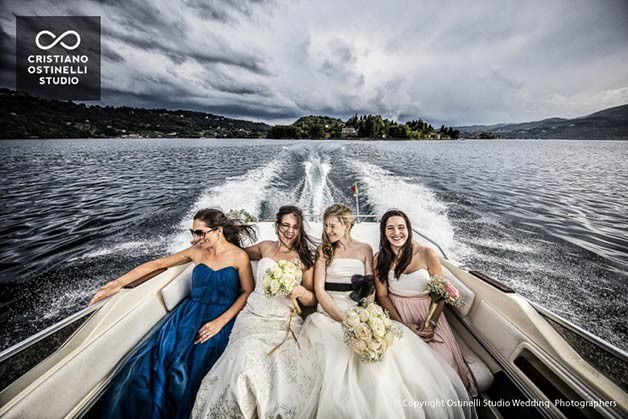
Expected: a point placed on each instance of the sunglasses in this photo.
(201, 232)
(287, 226)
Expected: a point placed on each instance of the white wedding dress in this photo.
(410, 382)
(246, 382)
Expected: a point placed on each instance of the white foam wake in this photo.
(247, 191)
(316, 192)
(385, 190)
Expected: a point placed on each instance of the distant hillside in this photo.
(608, 124)
(25, 116)
(367, 127)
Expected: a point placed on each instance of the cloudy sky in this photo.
(452, 62)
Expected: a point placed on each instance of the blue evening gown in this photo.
(162, 377)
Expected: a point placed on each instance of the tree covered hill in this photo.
(607, 124)
(25, 116)
(363, 126)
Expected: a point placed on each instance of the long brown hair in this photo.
(303, 245)
(345, 215)
(386, 256)
(233, 229)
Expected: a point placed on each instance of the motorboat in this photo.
(527, 361)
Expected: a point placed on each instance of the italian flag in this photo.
(354, 189)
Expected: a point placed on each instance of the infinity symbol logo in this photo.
(58, 40)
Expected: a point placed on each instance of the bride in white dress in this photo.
(262, 373)
(408, 383)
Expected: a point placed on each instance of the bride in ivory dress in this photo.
(409, 382)
(262, 373)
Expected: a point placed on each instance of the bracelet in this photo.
(433, 323)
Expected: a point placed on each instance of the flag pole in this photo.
(356, 194)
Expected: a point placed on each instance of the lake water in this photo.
(548, 218)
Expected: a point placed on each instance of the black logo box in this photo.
(52, 65)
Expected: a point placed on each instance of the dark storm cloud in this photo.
(180, 52)
(455, 62)
(227, 11)
(120, 97)
(7, 51)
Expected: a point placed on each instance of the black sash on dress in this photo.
(336, 286)
(361, 286)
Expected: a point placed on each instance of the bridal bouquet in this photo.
(280, 280)
(369, 331)
(441, 290)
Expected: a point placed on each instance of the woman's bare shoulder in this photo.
(364, 249)
(265, 245)
(240, 257)
(320, 256)
(194, 253)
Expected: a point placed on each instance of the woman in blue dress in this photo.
(162, 377)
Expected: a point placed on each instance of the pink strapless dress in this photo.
(410, 298)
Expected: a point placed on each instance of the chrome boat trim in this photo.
(597, 341)
(20, 346)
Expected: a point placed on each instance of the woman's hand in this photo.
(298, 291)
(426, 333)
(105, 291)
(209, 330)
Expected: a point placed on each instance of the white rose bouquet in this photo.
(280, 280)
(369, 331)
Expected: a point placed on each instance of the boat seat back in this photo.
(178, 288)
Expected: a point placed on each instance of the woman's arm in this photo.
(434, 268)
(305, 292)
(368, 259)
(367, 254)
(381, 293)
(323, 297)
(114, 286)
(255, 252)
(210, 329)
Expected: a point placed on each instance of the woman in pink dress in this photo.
(402, 271)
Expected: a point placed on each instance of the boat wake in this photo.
(316, 191)
(313, 180)
(247, 192)
(385, 190)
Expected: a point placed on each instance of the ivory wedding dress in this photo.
(410, 382)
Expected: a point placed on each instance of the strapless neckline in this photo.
(349, 259)
(276, 261)
(410, 284)
(215, 270)
(413, 272)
